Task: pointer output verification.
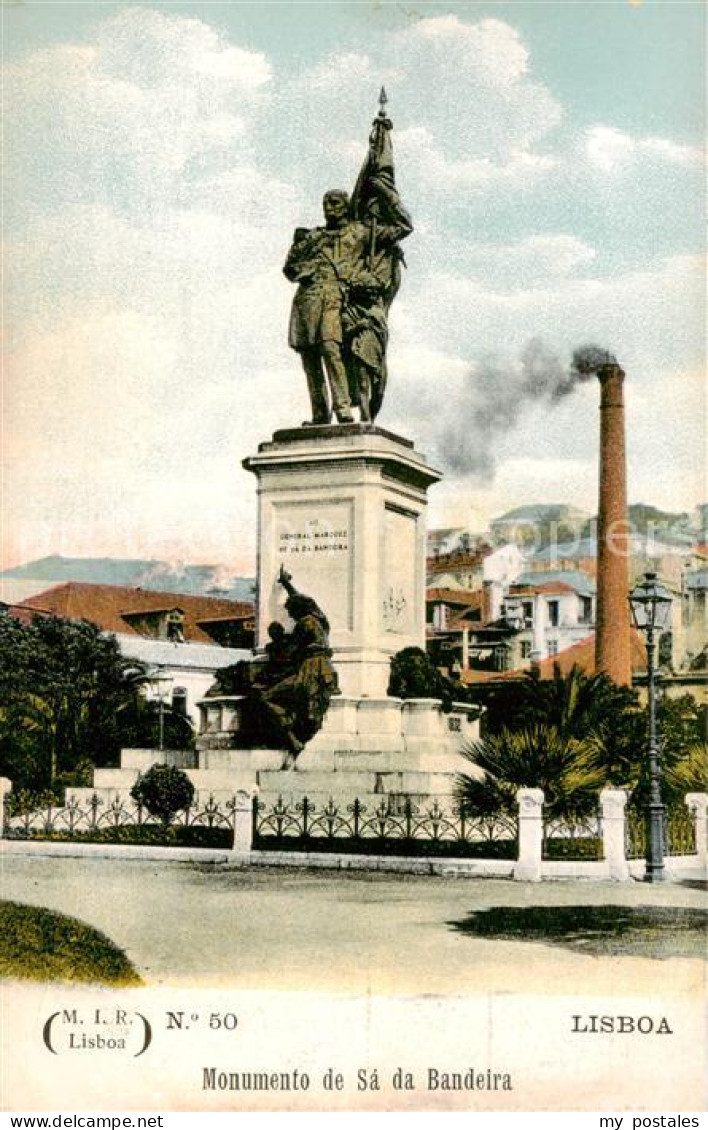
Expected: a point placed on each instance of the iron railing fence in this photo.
(396, 825)
(679, 832)
(76, 819)
(573, 838)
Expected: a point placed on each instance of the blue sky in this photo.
(157, 158)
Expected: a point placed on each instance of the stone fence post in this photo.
(612, 805)
(243, 823)
(530, 803)
(5, 788)
(697, 805)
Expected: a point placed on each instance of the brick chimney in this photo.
(612, 640)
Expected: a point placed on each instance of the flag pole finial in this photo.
(383, 99)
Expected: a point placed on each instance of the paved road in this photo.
(363, 933)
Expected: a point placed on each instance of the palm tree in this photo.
(568, 769)
(578, 706)
(573, 734)
(688, 774)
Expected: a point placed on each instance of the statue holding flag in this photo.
(347, 274)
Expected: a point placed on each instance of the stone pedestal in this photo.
(528, 865)
(613, 803)
(343, 509)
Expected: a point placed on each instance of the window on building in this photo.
(179, 700)
(230, 631)
(501, 657)
(553, 647)
(553, 613)
(525, 649)
(585, 609)
(527, 608)
(157, 623)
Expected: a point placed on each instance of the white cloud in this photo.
(146, 48)
(612, 150)
(651, 318)
(128, 118)
(530, 261)
(483, 67)
(489, 51)
(426, 161)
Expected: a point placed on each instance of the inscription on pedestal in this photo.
(315, 542)
(315, 538)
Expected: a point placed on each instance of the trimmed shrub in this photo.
(163, 790)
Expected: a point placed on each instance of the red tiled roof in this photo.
(463, 597)
(458, 559)
(581, 654)
(107, 605)
(24, 612)
(545, 587)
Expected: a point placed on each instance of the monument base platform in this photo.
(368, 748)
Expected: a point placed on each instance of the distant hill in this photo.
(540, 512)
(538, 523)
(163, 576)
(665, 525)
(647, 519)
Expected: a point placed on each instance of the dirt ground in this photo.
(360, 932)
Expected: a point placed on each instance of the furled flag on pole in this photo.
(375, 201)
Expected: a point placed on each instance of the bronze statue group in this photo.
(348, 273)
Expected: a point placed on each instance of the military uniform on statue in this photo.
(348, 273)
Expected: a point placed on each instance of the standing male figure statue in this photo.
(347, 274)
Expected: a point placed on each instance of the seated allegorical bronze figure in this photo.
(287, 694)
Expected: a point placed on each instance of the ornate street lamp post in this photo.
(160, 683)
(650, 602)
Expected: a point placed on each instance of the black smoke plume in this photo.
(496, 394)
(589, 359)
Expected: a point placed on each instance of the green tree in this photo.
(63, 688)
(681, 724)
(568, 769)
(590, 719)
(140, 726)
(164, 790)
(689, 774)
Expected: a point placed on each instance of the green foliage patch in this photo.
(37, 944)
(155, 835)
(164, 790)
(574, 735)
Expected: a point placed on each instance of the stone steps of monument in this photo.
(351, 785)
(407, 761)
(123, 778)
(303, 782)
(240, 760)
(142, 759)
